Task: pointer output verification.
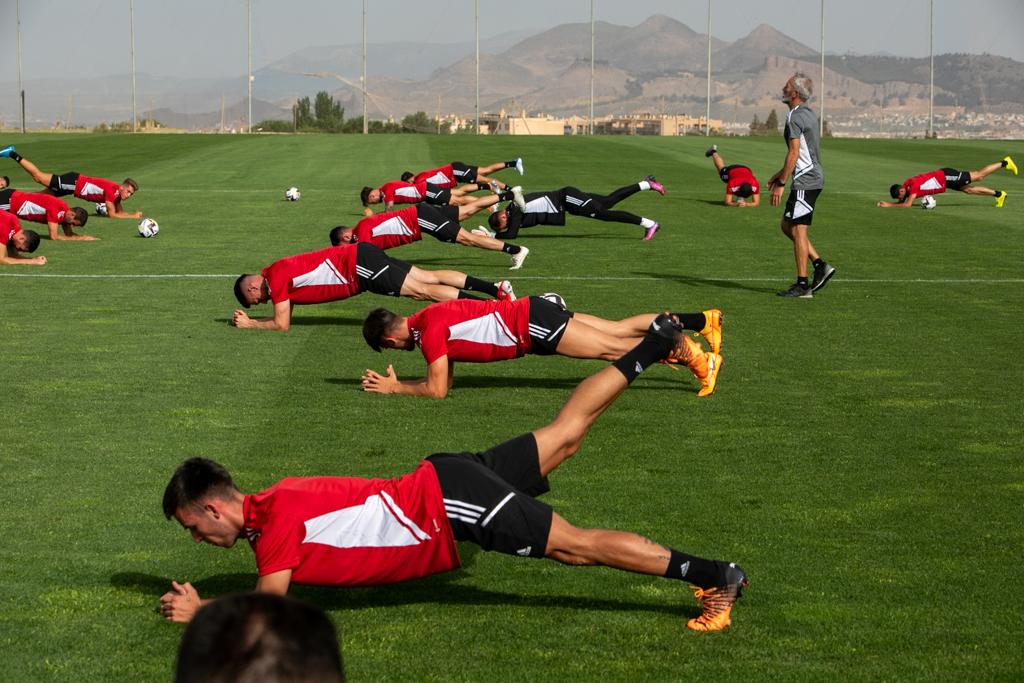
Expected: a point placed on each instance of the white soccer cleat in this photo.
(519, 165)
(482, 231)
(517, 259)
(517, 197)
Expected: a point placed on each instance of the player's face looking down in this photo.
(374, 197)
(502, 219)
(207, 525)
(125, 191)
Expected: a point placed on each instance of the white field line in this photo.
(567, 278)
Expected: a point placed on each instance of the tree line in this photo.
(324, 115)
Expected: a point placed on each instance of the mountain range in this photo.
(658, 65)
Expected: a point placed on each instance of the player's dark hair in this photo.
(132, 184)
(378, 323)
(744, 190)
(336, 233)
(80, 214)
(894, 190)
(259, 637)
(364, 195)
(240, 291)
(31, 240)
(7, 181)
(195, 479)
(493, 221)
(407, 176)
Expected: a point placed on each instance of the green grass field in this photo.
(862, 457)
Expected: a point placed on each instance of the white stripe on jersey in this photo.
(30, 208)
(438, 179)
(411, 192)
(541, 205)
(931, 184)
(377, 523)
(87, 188)
(489, 329)
(324, 274)
(392, 226)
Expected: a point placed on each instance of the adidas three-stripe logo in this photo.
(538, 332)
(368, 274)
(472, 513)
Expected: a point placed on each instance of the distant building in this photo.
(631, 124)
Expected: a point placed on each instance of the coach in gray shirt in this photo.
(804, 165)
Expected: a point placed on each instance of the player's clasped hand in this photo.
(378, 383)
(240, 318)
(180, 603)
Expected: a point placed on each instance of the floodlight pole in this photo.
(476, 23)
(21, 88)
(931, 67)
(248, 24)
(707, 115)
(366, 124)
(591, 67)
(131, 20)
(821, 83)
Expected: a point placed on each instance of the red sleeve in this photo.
(433, 337)
(388, 190)
(277, 548)
(278, 281)
(54, 209)
(110, 194)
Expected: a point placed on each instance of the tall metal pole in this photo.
(476, 22)
(248, 23)
(21, 88)
(931, 67)
(131, 20)
(707, 115)
(366, 124)
(821, 82)
(591, 67)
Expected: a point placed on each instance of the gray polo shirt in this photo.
(802, 124)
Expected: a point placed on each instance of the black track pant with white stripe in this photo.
(598, 206)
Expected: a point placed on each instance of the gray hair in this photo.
(803, 85)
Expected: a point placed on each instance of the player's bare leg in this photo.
(717, 158)
(476, 205)
(40, 177)
(423, 284)
(580, 340)
(634, 326)
(984, 171)
(802, 247)
(978, 189)
(472, 239)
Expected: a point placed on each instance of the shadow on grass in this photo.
(711, 282)
(502, 382)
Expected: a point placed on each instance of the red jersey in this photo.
(740, 175)
(390, 229)
(443, 177)
(96, 190)
(38, 208)
(398, 192)
(314, 278)
(346, 531)
(473, 331)
(926, 183)
(9, 225)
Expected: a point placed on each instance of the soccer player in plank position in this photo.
(740, 183)
(14, 241)
(803, 164)
(549, 208)
(402, 192)
(339, 273)
(60, 220)
(457, 173)
(937, 182)
(395, 228)
(486, 331)
(97, 190)
(348, 531)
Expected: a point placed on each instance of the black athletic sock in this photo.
(802, 281)
(645, 354)
(692, 321)
(466, 295)
(692, 569)
(17, 157)
(818, 262)
(475, 284)
(1003, 162)
(998, 194)
(510, 248)
(506, 195)
(512, 164)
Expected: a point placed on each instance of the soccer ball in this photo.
(292, 194)
(554, 298)
(148, 227)
(101, 209)
(928, 202)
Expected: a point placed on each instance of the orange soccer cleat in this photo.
(717, 601)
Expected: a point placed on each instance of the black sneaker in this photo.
(797, 291)
(711, 151)
(822, 274)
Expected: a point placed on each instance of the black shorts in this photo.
(956, 180)
(63, 184)
(490, 497)
(579, 203)
(5, 198)
(724, 173)
(548, 321)
(800, 206)
(437, 195)
(463, 173)
(440, 221)
(378, 272)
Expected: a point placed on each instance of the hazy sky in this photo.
(192, 38)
